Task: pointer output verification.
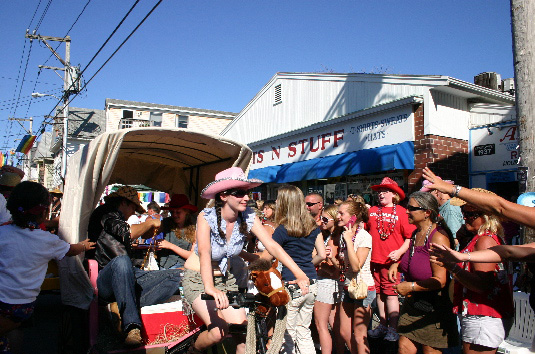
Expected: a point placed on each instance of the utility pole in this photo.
(522, 16)
(71, 84)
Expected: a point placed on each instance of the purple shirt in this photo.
(417, 267)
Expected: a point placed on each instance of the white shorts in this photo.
(484, 330)
(329, 291)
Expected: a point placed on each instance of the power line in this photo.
(39, 82)
(72, 26)
(111, 56)
(43, 15)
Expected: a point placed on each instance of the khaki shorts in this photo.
(193, 285)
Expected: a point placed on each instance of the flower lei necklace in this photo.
(385, 231)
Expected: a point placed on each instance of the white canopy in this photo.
(167, 160)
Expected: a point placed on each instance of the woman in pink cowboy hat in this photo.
(221, 232)
(391, 232)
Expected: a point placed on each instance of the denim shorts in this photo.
(484, 330)
(360, 303)
(329, 291)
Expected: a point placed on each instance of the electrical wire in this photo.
(111, 56)
(69, 31)
(43, 15)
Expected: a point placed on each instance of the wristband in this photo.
(412, 286)
(456, 190)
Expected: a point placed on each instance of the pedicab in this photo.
(167, 160)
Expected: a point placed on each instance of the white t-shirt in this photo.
(363, 239)
(135, 219)
(24, 257)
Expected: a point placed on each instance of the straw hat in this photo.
(230, 178)
(180, 201)
(389, 183)
(56, 191)
(128, 193)
(456, 201)
(10, 176)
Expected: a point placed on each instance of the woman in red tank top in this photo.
(483, 294)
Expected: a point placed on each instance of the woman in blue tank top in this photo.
(221, 233)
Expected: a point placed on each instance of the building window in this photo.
(156, 119)
(128, 119)
(278, 94)
(182, 122)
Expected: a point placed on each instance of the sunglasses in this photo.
(310, 204)
(238, 193)
(471, 215)
(414, 208)
(325, 220)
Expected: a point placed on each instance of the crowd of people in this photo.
(441, 251)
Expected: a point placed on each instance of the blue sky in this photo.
(219, 54)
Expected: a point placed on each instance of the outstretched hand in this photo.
(436, 183)
(444, 254)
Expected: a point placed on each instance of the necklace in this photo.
(413, 246)
(341, 255)
(386, 229)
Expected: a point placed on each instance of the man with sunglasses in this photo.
(314, 203)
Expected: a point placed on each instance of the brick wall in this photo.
(447, 157)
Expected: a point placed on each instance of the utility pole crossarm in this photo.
(57, 39)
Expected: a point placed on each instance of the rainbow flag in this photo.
(26, 144)
(3, 159)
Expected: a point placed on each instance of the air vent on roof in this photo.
(278, 94)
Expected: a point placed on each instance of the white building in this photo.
(340, 133)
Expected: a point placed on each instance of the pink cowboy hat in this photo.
(179, 201)
(426, 183)
(231, 178)
(389, 183)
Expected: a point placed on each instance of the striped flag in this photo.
(26, 144)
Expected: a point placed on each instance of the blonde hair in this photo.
(292, 212)
(492, 224)
(360, 210)
(331, 210)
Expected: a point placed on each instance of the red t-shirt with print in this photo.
(396, 225)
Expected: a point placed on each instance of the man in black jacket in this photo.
(118, 280)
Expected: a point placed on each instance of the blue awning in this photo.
(384, 158)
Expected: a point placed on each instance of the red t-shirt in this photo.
(396, 236)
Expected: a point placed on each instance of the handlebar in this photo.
(236, 299)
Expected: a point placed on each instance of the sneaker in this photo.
(378, 332)
(391, 335)
(133, 338)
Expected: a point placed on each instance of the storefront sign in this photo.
(369, 132)
(494, 148)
